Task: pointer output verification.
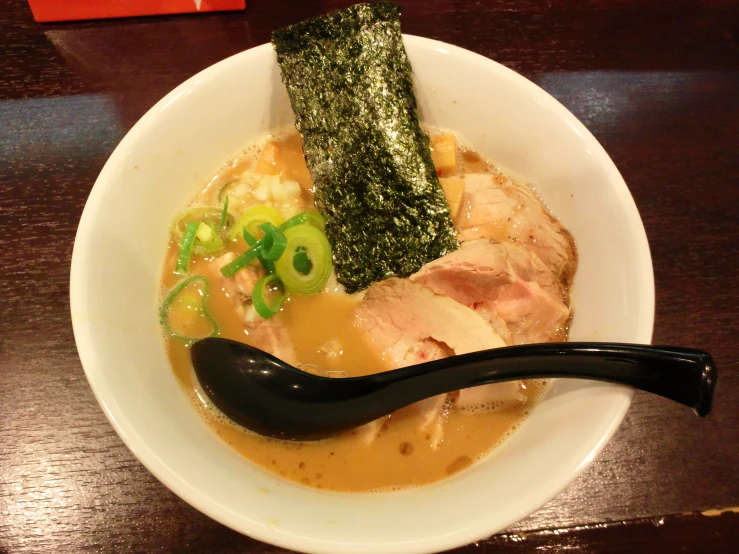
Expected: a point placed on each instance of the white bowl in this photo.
(164, 160)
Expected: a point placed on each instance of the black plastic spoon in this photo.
(273, 398)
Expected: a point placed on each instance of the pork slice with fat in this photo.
(410, 324)
(495, 206)
(505, 280)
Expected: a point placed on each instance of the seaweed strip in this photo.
(351, 88)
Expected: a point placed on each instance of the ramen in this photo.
(258, 269)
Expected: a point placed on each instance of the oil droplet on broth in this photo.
(462, 462)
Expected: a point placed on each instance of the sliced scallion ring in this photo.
(305, 266)
(252, 242)
(266, 301)
(252, 218)
(185, 250)
(274, 242)
(223, 189)
(200, 214)
(301, 261)
(224, 214)
(311, 218)
(242, 261)
(172, 298)
(248, 238)
(207, 239)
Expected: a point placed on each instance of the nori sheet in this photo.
(351, 88)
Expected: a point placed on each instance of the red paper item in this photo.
(68, 10)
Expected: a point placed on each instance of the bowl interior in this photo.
(166, 158)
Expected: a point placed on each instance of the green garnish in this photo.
(173, 298)
(255, 216)
(351, 88)
(305, 266)
(224, 213)
(200, 214)
(185, 250)
(301, 261)
(248, 238)
(300, 255)
(265, 306)
(242, 261)
(268, 265)
(268, 248)
(312, 218)
(274, 242)
(223, 188)
(207, 239)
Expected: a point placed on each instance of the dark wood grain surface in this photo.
(657, 83)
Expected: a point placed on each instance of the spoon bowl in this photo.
(273, 398)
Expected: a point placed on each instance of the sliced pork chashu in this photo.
(497, 207)
(503, 281)
(410, 324)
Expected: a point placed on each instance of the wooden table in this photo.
(657, 83)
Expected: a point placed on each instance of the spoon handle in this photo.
(684, 375)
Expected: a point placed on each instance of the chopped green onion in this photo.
(224, 214)
(274, 242)
(262, 304)
(172, 296)
(305, 266)
(249, 239)
(223, 188)
(301, 261)
(207, 239)
(312, 218)
(241, 262)
(269, 265)
(204, 233)
(199, 214)
(183, 256)
(255, 216)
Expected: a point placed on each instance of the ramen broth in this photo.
(402, 455)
